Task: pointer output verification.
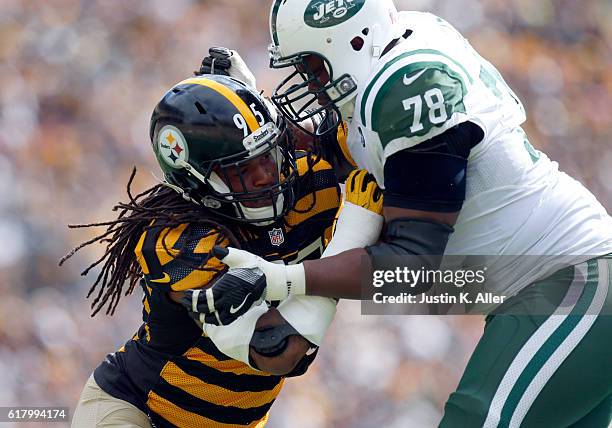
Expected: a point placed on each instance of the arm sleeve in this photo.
(432, 176)
(422, 241)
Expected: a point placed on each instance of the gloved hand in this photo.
(230, 297)
(360, 221)
(227, 62)
(362, 190)
(249, 280)
(234, 340)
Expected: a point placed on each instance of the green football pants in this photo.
(544, 371)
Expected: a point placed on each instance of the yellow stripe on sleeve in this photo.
(329, 233)
(167, 253)
(342, 138)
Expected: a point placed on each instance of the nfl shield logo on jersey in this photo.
(276, 236)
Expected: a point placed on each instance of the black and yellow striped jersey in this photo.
(169, 369)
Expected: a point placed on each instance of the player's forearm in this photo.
(338, 276)
(285, 362)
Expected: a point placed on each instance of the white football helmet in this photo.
(347, 35)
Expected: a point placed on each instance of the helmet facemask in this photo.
(348, 36)
(310, 92)
(233, 193)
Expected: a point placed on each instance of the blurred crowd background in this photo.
(78, 82)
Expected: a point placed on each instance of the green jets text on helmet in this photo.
(327, 13)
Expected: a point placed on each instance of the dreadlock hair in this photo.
(158, 207)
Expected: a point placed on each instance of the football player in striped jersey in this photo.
(440, 131)
(231, 177)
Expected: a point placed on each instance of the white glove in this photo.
(281, 280)
(239, 70)
(234, 339)
(228, 62)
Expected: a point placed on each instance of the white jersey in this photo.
(517, 201)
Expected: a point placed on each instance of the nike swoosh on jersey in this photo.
(409, 80)
(234, 310)
(164, 280)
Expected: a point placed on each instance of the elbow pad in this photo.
(306, 316)
(273, 341)
(424, 240)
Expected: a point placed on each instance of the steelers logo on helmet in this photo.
(173, 148)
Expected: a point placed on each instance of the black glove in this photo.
(217, 62)
(232, 295)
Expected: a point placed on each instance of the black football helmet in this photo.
(209, 125)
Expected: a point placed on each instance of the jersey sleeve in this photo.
(318, 199)
(413, 98)
(179, 259)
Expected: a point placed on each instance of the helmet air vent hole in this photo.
(200, 108)
(357, 43)
(176, 90)
(365, 31)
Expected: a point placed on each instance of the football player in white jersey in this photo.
(439, 130)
